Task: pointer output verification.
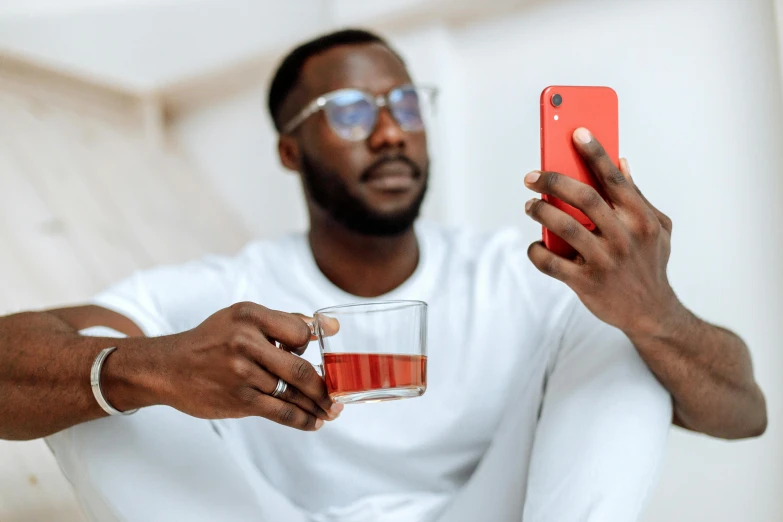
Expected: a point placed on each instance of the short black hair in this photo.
(289, 70)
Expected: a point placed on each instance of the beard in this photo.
(331, 193)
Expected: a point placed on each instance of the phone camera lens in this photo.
(557, 100)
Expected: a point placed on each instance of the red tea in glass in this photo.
(382, 376)
(378, 353)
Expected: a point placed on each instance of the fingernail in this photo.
(532, 177)
(583, 135)
(529, 204)
(627, 167)
(318, 424)
(336, 408)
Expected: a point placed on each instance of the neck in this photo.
(365, 266)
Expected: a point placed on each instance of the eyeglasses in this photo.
(352, 113)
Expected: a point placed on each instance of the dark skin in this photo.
(227, 366)
(706, 368)
(224, 368)
(359, 264)
(620, 276)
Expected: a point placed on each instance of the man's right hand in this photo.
(229, 365)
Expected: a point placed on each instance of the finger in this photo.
(566, 227)
(663, 219)
(287, 329)
(551, 264)
(626, 169)
(285, 413)
(614, 183)
(265, 382)
(294, 396)
(296, 372)
(298, 350)
(310, 322)
(263, 356)
(329, 325)
(577, 194)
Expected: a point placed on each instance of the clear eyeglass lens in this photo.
(351, 114)
(407, 106)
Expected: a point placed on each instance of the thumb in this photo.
(329, 325)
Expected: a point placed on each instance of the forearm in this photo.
(709, 373)
(45, 375)
(82, 317)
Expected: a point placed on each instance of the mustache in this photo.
(387, 158)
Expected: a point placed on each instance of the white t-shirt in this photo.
(503, 341)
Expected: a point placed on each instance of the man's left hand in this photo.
(620, 270)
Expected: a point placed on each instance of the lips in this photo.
(392, 175)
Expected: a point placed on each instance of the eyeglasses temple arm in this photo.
(308, 111)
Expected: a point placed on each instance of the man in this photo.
(539, 407)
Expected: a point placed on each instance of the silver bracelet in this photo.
(95, 383)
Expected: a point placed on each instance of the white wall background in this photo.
(700, 121)
(701, 110)
(143, 44)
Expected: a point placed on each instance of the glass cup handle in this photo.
(314, 336)
(319, 368)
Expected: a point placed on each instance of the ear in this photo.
(288, 150)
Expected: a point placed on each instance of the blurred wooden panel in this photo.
(84, 201)
(32, 488)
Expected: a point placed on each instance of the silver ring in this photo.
(280, 389)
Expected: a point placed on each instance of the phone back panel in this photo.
(594, 108)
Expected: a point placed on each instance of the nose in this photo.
(387, 132)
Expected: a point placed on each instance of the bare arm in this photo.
(81, 317)
(44, 370)
(225, 367)
(620, 275)
(708, 371)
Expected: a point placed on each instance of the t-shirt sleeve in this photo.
(171, 299)
(602, 431)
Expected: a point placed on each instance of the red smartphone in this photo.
(563, 110)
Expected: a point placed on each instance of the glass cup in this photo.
(379, 352)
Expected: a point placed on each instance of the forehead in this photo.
(371, 67)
